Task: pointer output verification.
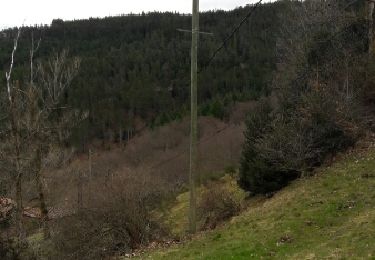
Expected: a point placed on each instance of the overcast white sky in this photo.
(14, 12)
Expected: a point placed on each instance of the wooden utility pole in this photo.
(194, 116)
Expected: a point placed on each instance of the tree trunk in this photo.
(90, 177)
(19, 211)
(80, 192)
(42, 201)
(19, 174)
(18, 171)
(120, 136)
(371, 4)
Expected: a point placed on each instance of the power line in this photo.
(235, 30)
(230, 36)
(337, 34)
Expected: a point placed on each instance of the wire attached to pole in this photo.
(230, 36)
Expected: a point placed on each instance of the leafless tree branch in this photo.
(8, 74)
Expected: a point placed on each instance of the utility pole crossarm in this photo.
(188, 31)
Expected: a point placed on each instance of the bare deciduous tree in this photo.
(36, 117)
(15, 140)
(52, 79)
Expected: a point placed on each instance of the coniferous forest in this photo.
(139, 65)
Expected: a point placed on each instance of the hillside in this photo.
(139, 65)
(97, 150)
(161, 155)
(328, 216)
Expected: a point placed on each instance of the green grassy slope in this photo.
(329, 216)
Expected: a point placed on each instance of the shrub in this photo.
(215, 108)
(95, 234)
(7, 251)
(219, 201)
(230, 169)
(257, 173)
(12, 249)
(117, 222)
(279, 146)
(319, 109)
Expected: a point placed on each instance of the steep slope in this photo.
(328, 216)
(161, 154)
(139, 65)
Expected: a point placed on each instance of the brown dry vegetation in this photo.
(113, 206)
(159, 156)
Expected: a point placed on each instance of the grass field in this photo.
(328, 216)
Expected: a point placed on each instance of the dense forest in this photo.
(139, 65)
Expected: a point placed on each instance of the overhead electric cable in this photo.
(231, 35)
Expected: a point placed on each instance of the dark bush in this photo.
(280, 147)
(257, 173)
(7, 251)
(11, 249)
(215, 108)
(319, 98)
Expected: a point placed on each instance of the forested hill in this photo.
(140, 64)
